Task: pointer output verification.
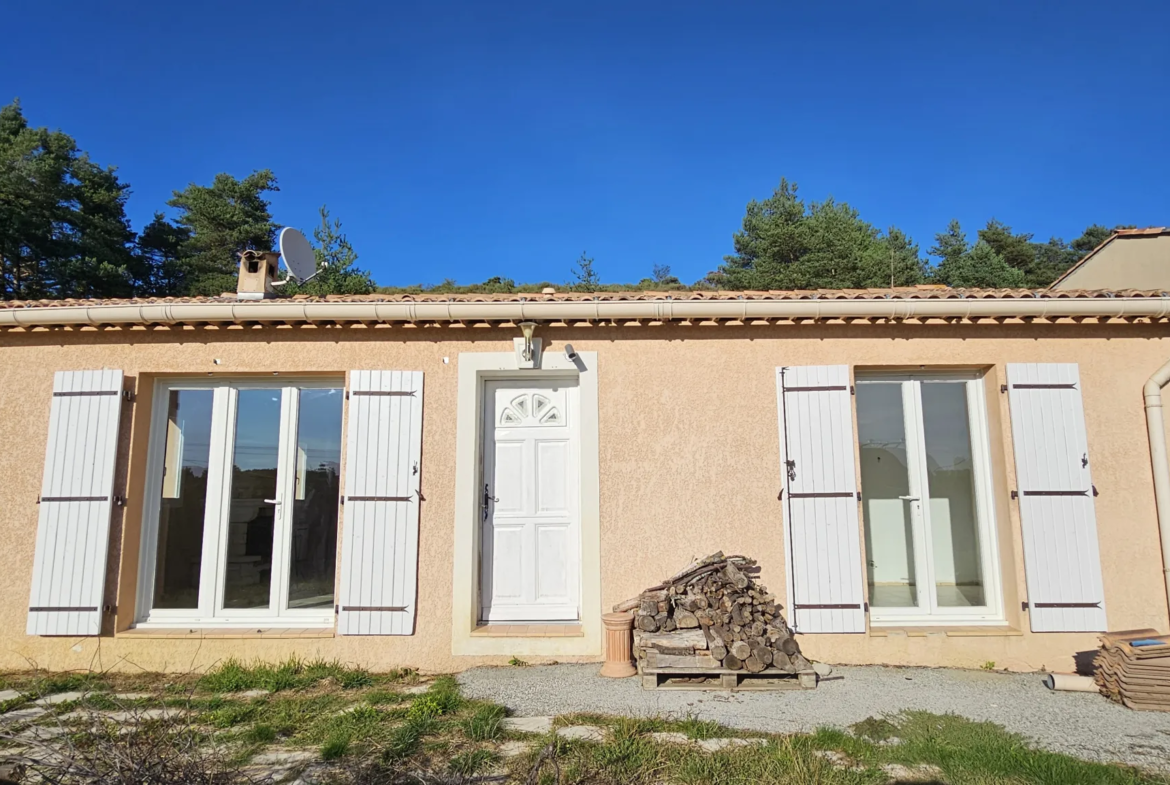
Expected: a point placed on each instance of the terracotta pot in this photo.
(619, 645)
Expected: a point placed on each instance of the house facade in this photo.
(926, 476)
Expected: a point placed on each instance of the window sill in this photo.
(949, 632)
(202, 633)
(528, 631)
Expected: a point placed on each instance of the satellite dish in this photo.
(297, 254)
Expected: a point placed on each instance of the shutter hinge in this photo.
(119, 501)
(859, 496)
(128, 396)
(112, 610)
(1002, 389)
(852, 390)
(337, 609)
(865, 607)
(1024, 606)
(347, 395)
(1015, 495)
(1094, 487)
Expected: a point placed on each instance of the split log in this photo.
(741, 650)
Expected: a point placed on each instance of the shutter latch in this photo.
(128, 396)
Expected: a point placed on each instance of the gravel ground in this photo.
(1082, 724)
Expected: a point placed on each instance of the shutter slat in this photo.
(823, 532)
(1055, 489)
(77, 494)
(380, 538)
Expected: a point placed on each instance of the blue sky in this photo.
(466, 140)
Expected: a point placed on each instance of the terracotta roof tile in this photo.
(925, 292)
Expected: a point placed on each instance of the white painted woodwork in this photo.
(1062, 561)
(822, 529)
(379, 563)
(77, 494)
(531, 532)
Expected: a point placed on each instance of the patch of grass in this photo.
(101, 701)
(261, 734)
(485, 723)
(355, 679)
(698, 729)
(335, 746)
(362, 724)
(383, 697)
(967, 750)
(626, 756)
(233, 675)
(442, 698)
(68, 682)
(404, 740)
(875, 729)
(230, 715)
(516, 662)
(468, 764)
(988, 666)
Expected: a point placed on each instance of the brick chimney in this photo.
(257, 272)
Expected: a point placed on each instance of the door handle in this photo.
(909, 498)
(272, 501)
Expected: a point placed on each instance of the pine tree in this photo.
(336, 273)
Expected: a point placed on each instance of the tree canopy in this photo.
(64, 232)
(786, 244)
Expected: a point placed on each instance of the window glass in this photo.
(889, 534)
(318, 485)
(184, 499)
(248, 565)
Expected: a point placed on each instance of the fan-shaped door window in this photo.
(531, 409)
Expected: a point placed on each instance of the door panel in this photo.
(530, 519)
(552, 469)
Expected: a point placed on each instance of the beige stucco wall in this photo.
(688, 454)
(1126, 262)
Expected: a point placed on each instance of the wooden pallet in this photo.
(724, 679)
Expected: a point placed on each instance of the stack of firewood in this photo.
(712, 614)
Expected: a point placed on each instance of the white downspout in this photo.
(1156, 426)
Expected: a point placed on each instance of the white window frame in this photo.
(929, 613)
(210, 611)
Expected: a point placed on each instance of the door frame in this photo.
(978, 431)
(209, 612)
(475, 368)
(572, 406)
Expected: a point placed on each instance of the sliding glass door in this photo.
(925, 491)
(242, 516)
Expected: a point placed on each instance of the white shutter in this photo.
(73, 526)
(1055, 491)
(823, 535)
(379, 562)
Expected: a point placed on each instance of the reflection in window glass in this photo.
(184, 498)
(314, 521)
(248, 579)
(885, 480)
(954, 529)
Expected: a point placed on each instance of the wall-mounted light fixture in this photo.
(528, 328)
(570, 353)
(528, 347)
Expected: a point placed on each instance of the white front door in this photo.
(530, 509)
